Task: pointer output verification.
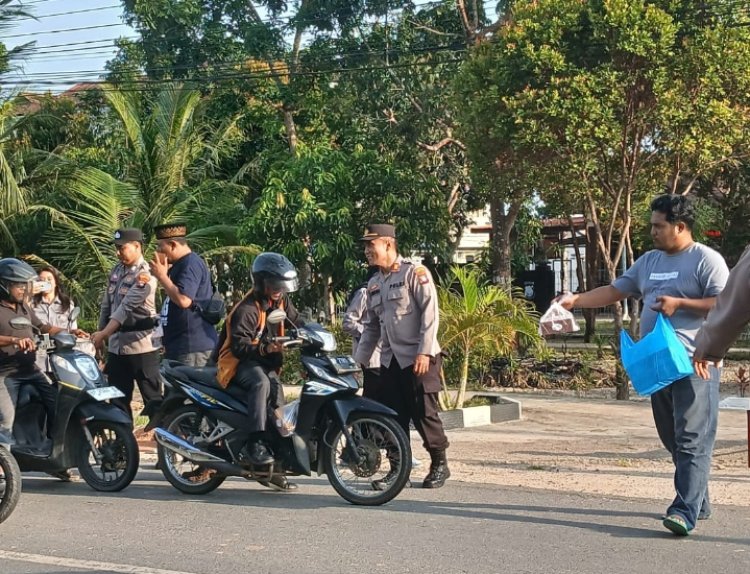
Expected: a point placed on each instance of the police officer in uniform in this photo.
(403, 314)
(128, 319)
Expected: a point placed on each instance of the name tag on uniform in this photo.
(664, 276)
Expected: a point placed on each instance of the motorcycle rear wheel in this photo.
(385, 454)
(120, 457)
(10, 483)
(188, 422)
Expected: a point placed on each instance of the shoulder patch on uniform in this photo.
(143, 278)
(422, 275)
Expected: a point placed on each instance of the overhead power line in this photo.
(145, 84)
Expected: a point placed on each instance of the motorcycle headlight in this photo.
(88, 367)
(67, 372)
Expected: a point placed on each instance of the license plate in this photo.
(104, 393)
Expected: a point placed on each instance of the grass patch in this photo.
(478, 402)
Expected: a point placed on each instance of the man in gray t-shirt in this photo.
(681, 279)
(657, 278)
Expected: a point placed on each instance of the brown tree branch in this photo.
(441, 144)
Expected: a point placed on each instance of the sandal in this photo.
(676, 524)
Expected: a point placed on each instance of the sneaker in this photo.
(63, 475)
(280, 483)
(676, 524)
(385, 482)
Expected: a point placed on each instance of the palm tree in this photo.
(171, 155)
(478, 319)
(13, 195)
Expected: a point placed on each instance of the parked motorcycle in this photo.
(10, 483)
(89, 433)
(356, 442)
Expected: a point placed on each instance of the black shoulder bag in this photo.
(214, 309)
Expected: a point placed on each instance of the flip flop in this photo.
(676, 524)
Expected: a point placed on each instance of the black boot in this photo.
(257, 453)
(439, 471)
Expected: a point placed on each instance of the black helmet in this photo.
(275, 272)
(14, 271)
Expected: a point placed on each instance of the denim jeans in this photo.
(686, 415)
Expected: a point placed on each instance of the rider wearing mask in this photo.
(246, 358)
(17, 347)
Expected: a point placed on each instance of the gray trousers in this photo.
(197, 359)
(10, 385)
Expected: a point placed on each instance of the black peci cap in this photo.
(170, 231)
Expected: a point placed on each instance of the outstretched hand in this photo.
(566, 301)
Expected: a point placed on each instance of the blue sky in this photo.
(56, 64)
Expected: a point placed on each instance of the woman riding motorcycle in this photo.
(17, 347)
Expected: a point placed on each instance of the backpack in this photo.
(226, 362)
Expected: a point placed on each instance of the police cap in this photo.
(170, 231)
(128, 234)
(375, 230)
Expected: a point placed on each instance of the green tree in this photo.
(607, 102)
(481, 321)
(169, 174)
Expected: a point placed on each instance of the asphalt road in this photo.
(150, 528)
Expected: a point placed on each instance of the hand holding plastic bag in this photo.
(557, 321)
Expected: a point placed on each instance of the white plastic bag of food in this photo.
(557, 321)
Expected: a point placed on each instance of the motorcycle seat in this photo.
(205, 375)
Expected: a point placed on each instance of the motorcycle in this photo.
(10, 483)
(356, 442)
(89, 433)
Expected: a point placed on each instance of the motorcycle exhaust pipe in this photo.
(184, 448)
(193, 454)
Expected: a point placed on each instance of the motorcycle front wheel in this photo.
(384, 461)
(119, 456)
(10, 483)
(189, 424)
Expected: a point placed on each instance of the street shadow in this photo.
(625, 470)
(149, 485)
(256, 496)
(501, 512)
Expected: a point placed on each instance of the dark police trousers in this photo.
(371, 384)
(122, 370)
(264, 391)
(11, 384)
(415, 398)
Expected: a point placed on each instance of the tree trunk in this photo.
(291, 130)
(503, 219)
(592, 264)
(461, 397)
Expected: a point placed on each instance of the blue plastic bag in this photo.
(657, 360)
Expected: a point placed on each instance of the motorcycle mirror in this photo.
(74, 314)
(276, 317)
(20, 323)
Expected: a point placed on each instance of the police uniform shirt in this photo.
(130, 297)
(402, 311)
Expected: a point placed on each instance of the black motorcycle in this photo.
(355, 441)
(10, 483)
(89, 433)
